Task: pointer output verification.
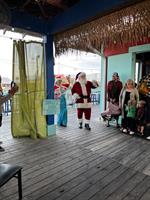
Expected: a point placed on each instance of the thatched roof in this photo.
(131, 24)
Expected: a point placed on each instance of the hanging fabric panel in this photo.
(28, 73)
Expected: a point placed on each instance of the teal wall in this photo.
(123, 64)
(140, 48)
(118, 63)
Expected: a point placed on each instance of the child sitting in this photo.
(113, 110)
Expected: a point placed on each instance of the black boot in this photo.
(1, 149)
(87, 127)
(80, 125)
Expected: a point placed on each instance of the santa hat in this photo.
(77, 76)
(59, 76)
(80, 74)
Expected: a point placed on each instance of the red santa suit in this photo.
(81, 92)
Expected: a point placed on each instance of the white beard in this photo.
(82, 82)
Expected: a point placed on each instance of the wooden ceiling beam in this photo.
(26, 3)
(56, 3)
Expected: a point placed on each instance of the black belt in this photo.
(84, 96)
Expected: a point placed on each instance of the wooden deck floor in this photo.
(79, 165)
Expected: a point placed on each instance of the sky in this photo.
(6, 48)
(72, 63)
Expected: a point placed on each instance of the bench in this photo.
(95, 98)
(7, 172)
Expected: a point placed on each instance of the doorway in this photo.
(142, 67)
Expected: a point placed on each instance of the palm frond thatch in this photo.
(131, 24)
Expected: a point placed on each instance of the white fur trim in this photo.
(83, 87)
(84, 105)
(80, 120)
(87, 121)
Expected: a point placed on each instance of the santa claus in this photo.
(81, 92)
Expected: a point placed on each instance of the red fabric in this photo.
(56, 87)
(120, 49)
(114, 89)
(77, 89)
(65, 85)
(58, 90)
(86, 111)
(59, 76)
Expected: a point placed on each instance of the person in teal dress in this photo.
(60, 92)
(62, 116)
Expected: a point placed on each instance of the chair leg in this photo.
(117, 124)
(20, 184)
(108, 123)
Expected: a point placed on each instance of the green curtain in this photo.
(28, 73)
